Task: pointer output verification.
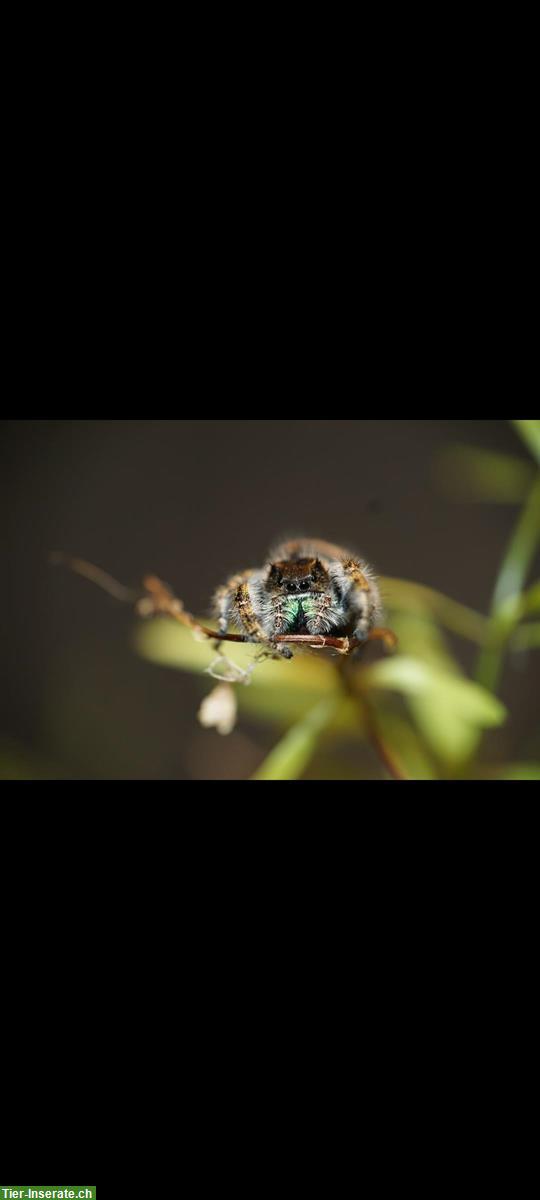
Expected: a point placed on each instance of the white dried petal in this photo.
(218, 709)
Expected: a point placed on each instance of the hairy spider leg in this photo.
(246, 613)
(224, 602)
(233, 600)
(363, 597)
(352, 568)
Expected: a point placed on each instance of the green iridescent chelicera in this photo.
(294, 606)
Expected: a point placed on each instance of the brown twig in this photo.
(368, 720)
(379, 745)
(95, 575)
(158, 600)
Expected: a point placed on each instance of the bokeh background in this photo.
(193, 501)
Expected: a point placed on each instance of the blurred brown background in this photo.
(193, 501)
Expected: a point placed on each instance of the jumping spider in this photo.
(307, 586)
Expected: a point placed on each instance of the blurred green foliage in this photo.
(472, 474)
(428, 713)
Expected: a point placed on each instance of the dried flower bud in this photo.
(218, 709)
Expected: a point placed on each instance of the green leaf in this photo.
(410, 747)
(507, 599)
(412, 677)
(278, 692)
(530, 600)
(521, 550)
(449, 710)
(400, 595)
(442, 726)
(420, 637)
(469, 473)
(285, 708)
(165, 642)
(289, 759)
(452, 738)
(526, 637)
(529, 432)
(519, 771)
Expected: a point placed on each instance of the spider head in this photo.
(294, 578)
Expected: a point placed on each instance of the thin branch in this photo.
(379, 745)
(158, 600)
(95, 575)
(368, 721)
(507, 598)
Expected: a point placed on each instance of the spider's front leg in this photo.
(248, 617)
(223, 601)
(233, 602)
(356, 582)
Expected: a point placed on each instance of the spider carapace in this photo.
(306, 586)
